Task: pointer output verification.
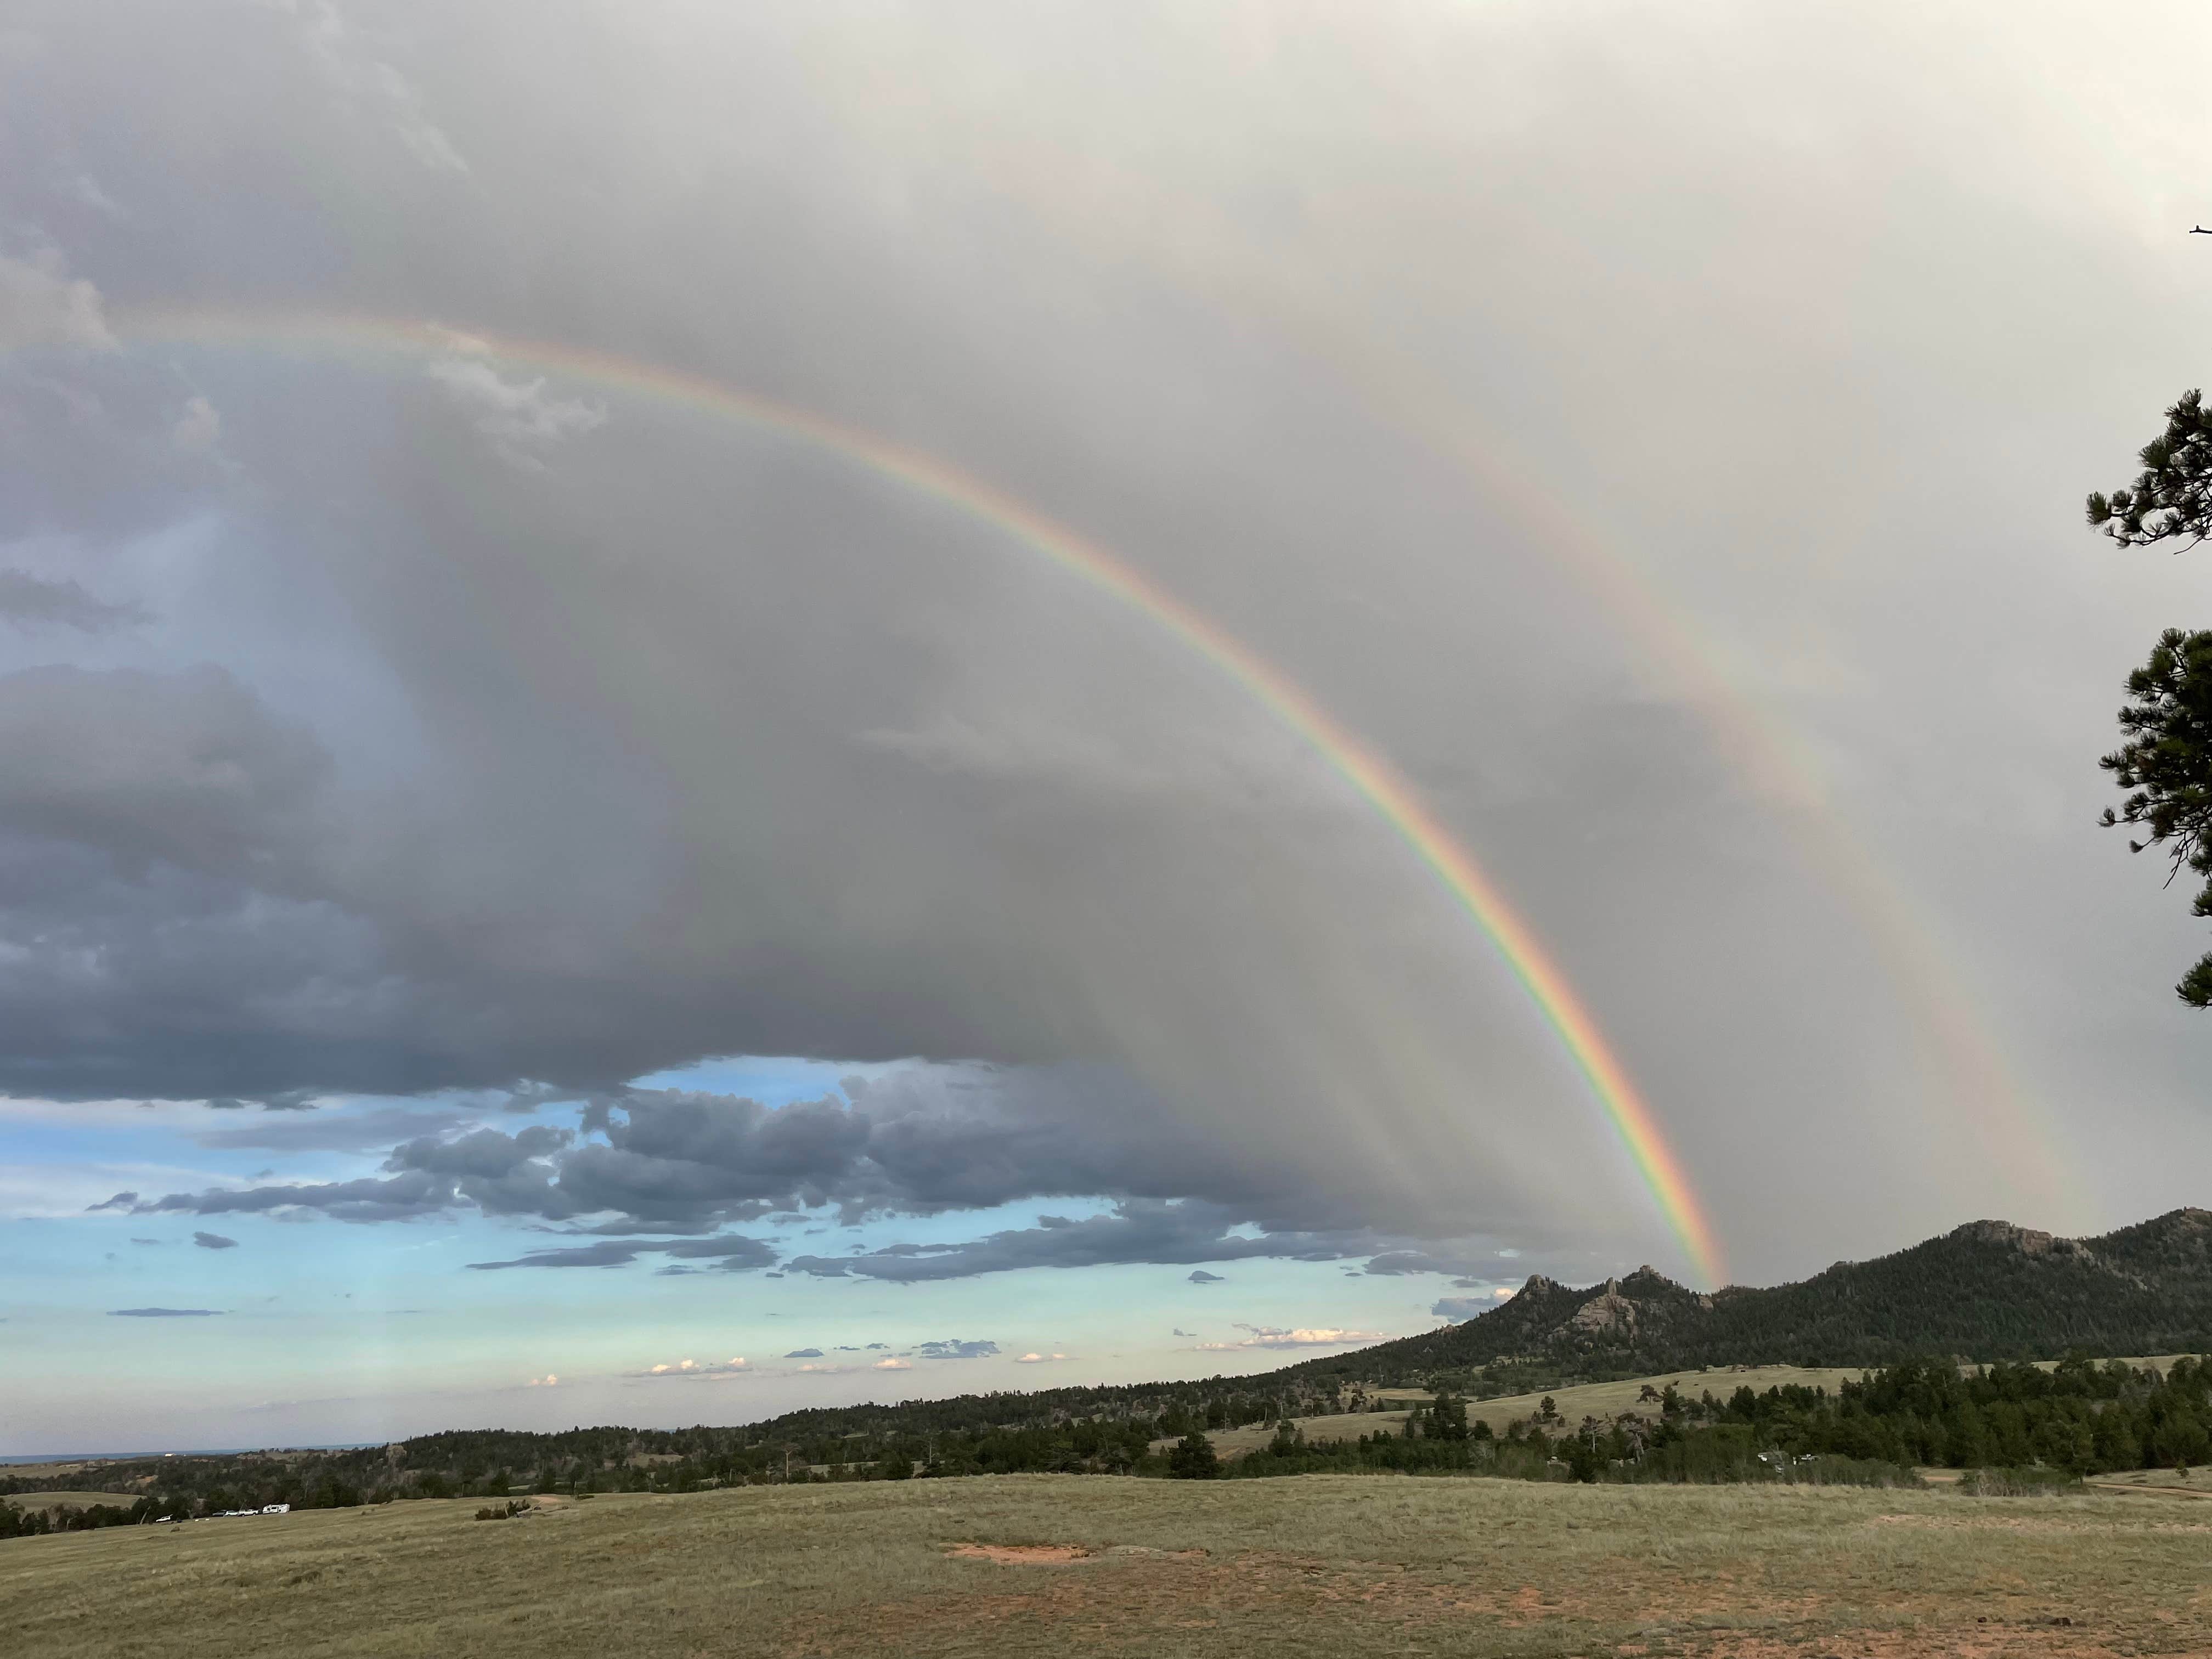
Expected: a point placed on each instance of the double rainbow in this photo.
(1373, 777)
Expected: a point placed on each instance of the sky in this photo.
(706, 708)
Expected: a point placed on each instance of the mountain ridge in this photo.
(1986, 1290)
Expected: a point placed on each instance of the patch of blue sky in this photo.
(772, 1080)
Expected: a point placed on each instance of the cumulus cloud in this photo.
(42, 305)
(956, 1350)
(548, 1381)
(520, 418)
(893, 1363)
(214, 1242)
(1200, 1276)
(804, 1353)
(199, 428)
(1035, 1359)
(738, 1366)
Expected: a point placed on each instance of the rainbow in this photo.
(1186, 242)
(1368, 773)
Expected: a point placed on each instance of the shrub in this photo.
(2017, 1483)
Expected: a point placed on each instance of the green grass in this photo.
(1344, 1566)
(69, 1500)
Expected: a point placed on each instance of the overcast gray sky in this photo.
(1659, 431)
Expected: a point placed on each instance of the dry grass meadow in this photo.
(1344, 1566)
(1602, 1400)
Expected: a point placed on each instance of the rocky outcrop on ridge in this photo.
(1988, 1289)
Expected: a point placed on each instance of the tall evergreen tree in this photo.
(2166, 762)
(1193, 1458)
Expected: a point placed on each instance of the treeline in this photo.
(2080, 1418)
(19, 1520)
(1103, 1430)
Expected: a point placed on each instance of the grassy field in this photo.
(1344, 1566)
(1587, 1399)
(68, 1500)
(1611, 1398)
(1347, 1425)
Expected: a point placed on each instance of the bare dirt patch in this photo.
(1023, 1555)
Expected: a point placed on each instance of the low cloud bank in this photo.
(164, 1312)
(643, 1162)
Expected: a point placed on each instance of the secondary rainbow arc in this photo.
(1367, 772)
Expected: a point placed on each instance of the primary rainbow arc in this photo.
(1367, 772)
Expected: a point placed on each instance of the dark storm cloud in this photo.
(805, 1353)
(500, 1173)
(187, 769)
(672, 1162)
(333, 1131)
(564, 737)
(1457, 1308)
(1137, 1230)
(30, 601)
(757, 822)
(937, 1139)
(398, 1198)
(1486, 1265)
(214, 1242)
(1200, 1276)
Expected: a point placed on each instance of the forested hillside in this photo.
(1986, 1291)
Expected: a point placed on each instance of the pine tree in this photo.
(1193, 1458)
